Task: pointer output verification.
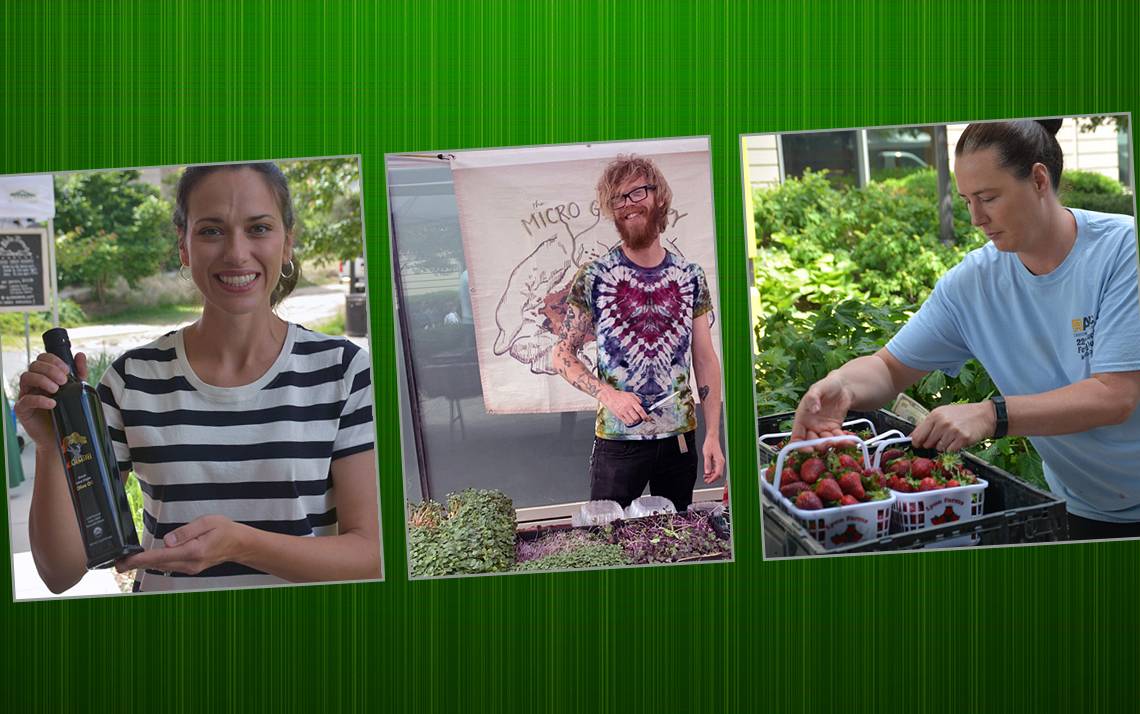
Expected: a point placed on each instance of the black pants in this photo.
(1087, 529)
(620, 470)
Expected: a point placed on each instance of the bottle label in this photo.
(73, 448)
(76, 452)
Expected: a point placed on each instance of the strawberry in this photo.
(851, 484)
(953, 483)
(849, 463)
(788, 475)
(828, 490)
(950, 462)
(928, 484)
(811, 469)
(808, 501)
(793, 489)
(900, 467)
(898, 483)
(873, 479)
(921, 468)
(770, 474)
(794, 459)
(848, 500)
(890, 455)
(847, 481)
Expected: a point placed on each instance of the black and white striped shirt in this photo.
(259, 454)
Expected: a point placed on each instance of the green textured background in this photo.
(89, 85)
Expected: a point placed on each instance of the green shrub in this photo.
(796, 352)
(1089, 182)
(70, 315)
(1105, 203)
(97, 364)
(819, 245)
(332, 326)
(1094, 191)
(135, 499)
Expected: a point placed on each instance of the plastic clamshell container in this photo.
(708, 508)
(649, 506)
(597, 513)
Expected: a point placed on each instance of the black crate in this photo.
(1013, 511)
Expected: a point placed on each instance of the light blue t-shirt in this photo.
(1036, 333)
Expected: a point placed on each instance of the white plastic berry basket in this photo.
(847, 424)
(774, 491)
(926, 509)
(839, 525)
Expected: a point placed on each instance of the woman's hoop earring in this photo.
(183, 274)
(292, 270)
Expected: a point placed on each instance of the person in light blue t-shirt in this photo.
(1051, 309)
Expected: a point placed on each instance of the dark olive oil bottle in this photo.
(89, 461)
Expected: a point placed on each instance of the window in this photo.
(835, 151)
(536, 459)
(896, 152)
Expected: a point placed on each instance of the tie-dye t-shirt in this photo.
(643, 321)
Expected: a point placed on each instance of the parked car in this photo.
(361, 273)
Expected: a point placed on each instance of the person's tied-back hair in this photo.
(1019, 145)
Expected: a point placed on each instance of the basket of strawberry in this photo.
(928, 491)
(831, 489)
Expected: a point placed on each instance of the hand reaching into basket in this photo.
(955, 426)
(822, 409)
(863, 383)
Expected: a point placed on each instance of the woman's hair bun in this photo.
(1051, 125)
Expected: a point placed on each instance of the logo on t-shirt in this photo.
(1083, 328)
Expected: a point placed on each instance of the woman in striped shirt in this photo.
(252, 438)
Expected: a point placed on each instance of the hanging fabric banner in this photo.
(529, 221)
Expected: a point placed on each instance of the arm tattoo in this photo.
(703, 391)
(588, 383)
(572, 336)
(574, 328)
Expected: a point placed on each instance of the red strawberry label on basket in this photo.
(947, 516)
(851, 535)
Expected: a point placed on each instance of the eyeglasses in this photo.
(637, 195)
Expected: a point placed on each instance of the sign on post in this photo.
(23, 269)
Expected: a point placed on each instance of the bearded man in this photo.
(646, 307)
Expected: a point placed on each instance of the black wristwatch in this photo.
(1002, 424)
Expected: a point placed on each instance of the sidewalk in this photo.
(26, 581)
